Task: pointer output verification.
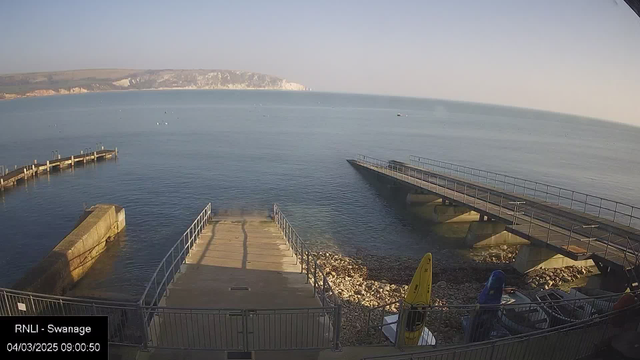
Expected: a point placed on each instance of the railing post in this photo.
(573, 193)
(315, 276)
(546, 194)
(464, 197)
(549, 231)
(337, 326)
(530, 223)
(488, 197)
(245, 330)
(145, 329)
(399, 340)
(308, 267)
(166, 286)
(615, 211)
(299, 254)
(570, 236)
(324, 288)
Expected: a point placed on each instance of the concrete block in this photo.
(422, 199)
(76, 253)
(533, 257)
(452, 213)
(491, 233)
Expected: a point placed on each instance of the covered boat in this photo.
(563, 308)
(520, 316)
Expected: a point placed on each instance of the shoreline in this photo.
(366, 281)
(17, 97)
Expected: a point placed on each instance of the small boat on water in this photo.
(520, 316)
(564, 308)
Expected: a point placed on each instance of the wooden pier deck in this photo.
(11, 178)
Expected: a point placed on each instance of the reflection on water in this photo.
(220, 148)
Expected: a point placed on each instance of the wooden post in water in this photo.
(73, 162)
(95, 156)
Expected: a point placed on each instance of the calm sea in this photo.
(245, 150)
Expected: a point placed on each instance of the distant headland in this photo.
(81, 81)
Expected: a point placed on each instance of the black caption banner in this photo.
(44, 337)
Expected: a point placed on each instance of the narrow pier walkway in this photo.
(11, 177)
(562, 230)
(240, 289)
(234, 253)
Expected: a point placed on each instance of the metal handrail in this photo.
(65, 299)
(540, 190)
(450, 188)
(321, 285)
(307, 259)
(184, 245)
(515, 305)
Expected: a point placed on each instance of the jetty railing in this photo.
(241, 329)
(158, 286)
(315, 275)
(569, 341)
(125, 325)
(308, 261)
(566, 235)
(147, 323)
(615, 211)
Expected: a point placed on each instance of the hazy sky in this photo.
(574, 56)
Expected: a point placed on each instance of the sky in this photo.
(572, 56)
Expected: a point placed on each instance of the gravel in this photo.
(365, 282)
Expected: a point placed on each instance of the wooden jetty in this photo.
(10, 178)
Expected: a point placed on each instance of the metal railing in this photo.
(569, 341)
(522, 220)
(460, 324)
(125, 319)
(241, 329)
(308, 261)
(315, 275)
(615, 211)
(170, 265)
(148, 324)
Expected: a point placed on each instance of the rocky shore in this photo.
(370, 287)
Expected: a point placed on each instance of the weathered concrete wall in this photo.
(75, 254)
(453, 213)
(491, 233)
(435, 211)
(413, 199)
(533, 257)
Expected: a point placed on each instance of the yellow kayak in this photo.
(418, 295)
